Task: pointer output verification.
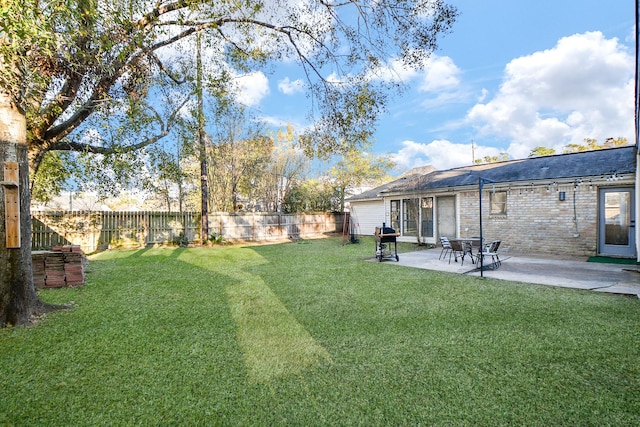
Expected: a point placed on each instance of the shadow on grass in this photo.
(273, 343)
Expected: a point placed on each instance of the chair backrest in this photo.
(456, 245)
(491, 247)
(444, 241)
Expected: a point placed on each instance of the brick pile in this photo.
(62, 266)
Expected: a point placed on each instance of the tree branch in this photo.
(165, 128)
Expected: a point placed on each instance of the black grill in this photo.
(385, 236)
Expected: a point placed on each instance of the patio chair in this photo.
(490, 250)
(457, 250)
(446, 248)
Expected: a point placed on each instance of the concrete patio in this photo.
(571, 273)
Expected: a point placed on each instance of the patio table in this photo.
(465, 246)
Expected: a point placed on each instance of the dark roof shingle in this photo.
(621, 160)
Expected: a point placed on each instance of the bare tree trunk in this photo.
(19, 302)
(204, 175)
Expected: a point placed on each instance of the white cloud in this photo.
(581, 88)
(439, 73)
(289, 87)
(441, 154)
(251, 88)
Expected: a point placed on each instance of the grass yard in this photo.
(311, 333)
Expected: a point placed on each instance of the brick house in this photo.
(578, 204)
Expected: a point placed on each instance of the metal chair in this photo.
(446, 248)
(457, 249)
(490, 250)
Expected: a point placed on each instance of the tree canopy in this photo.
(99, 76)
(590, 144)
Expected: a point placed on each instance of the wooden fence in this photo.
(95, 231)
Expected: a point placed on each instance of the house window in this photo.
(395, 215)
(410, 217)
(498, 203)
(427, 216)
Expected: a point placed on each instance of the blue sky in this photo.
(511, 76)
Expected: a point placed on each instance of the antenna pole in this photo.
(473, 153)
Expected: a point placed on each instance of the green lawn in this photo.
(311, 333)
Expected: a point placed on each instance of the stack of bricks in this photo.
(61, 267)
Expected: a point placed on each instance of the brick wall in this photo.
(536, 220)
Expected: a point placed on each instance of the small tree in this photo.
(356, 168)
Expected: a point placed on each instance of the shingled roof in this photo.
(621, 160)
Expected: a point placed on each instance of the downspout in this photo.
(576, 233)
(637, 125)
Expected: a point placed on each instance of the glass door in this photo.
(410, 217)
(426, 215)
(446, 216)
(617, 222)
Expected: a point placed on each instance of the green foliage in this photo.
(503, 157)
(312, 195)
(108, 175)
(237, 158)
(55, 169)
(170, 179)
(592, 144)
(286, 170)
(217, 239)
(540, 151)
(356, 168)
(589, 145)
(181, 240)
(315, 334)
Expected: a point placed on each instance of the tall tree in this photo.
(202, 145)
(238, 156)
(287, 168)
(168, 181)
(83, 73)
(18, 299)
